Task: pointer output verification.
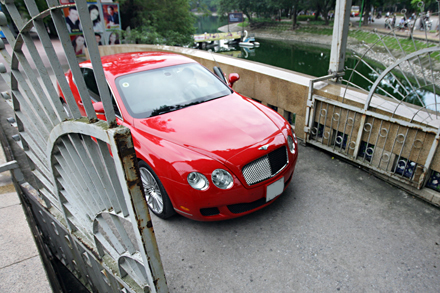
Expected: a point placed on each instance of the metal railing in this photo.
(379, 128)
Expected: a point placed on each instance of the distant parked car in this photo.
(354, 11)
(204, 151)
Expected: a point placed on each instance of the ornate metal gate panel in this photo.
(388, 145)
(88, 198)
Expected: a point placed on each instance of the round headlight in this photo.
(291, 144)
(294, 136)
(222, 179)
(197, 181)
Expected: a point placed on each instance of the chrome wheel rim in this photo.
(67, 111)
(152, 191)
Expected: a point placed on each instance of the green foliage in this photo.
(245, 23)
(147, 34)
(409, 46)
(162, 21)
(311, 29)
(245, 6)
(309, 17)
(22, 9)
(204, 6)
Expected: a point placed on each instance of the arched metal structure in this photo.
(88, 199)
(392, 123)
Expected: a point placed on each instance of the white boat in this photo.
(248, 42)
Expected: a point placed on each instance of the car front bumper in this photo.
(215, 204)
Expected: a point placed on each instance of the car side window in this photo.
(92, 87)
(89, 78)
(115, 106)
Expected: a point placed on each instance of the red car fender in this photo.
(170, 160)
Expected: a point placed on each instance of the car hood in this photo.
(220, 128)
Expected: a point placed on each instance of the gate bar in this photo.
(340, 34)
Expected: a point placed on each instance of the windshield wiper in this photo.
(166, 109)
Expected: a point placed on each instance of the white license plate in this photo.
(275, 189)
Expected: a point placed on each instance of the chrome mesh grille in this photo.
(265, 167)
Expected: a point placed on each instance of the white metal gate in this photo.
(88, 199)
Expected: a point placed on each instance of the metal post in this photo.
(361, 13)
(425, 175)
(310, 107)
(340, 33)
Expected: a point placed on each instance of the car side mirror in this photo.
(233, 77)
(99, 109)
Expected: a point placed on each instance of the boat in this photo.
(248, 42)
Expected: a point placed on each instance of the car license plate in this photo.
(275, 189)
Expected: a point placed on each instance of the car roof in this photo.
(124, 63)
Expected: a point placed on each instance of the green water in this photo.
(314, 60)
(209, 24)
(297, 57)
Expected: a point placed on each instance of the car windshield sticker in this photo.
(125, 84)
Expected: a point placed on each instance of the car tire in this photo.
(155, 194)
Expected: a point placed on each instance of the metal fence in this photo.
(389, 146)
(89, 203)
(393, 127)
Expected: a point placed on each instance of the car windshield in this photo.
(158, 91)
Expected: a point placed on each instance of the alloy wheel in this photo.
(152, 191)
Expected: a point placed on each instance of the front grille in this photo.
(244, 207)
(266, 166)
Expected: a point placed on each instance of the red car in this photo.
(204, 151)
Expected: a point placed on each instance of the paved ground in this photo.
(21, 269)
(336, 228)
(20, 266)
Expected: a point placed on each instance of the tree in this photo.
(295, 10)
(429, 5)
(171, 21)
(245, 6)
(323, 7)
(22, 9)
(365, 12)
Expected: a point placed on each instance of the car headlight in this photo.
(222, 179)
(197, 181)
(291, 144)
(294, 136)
